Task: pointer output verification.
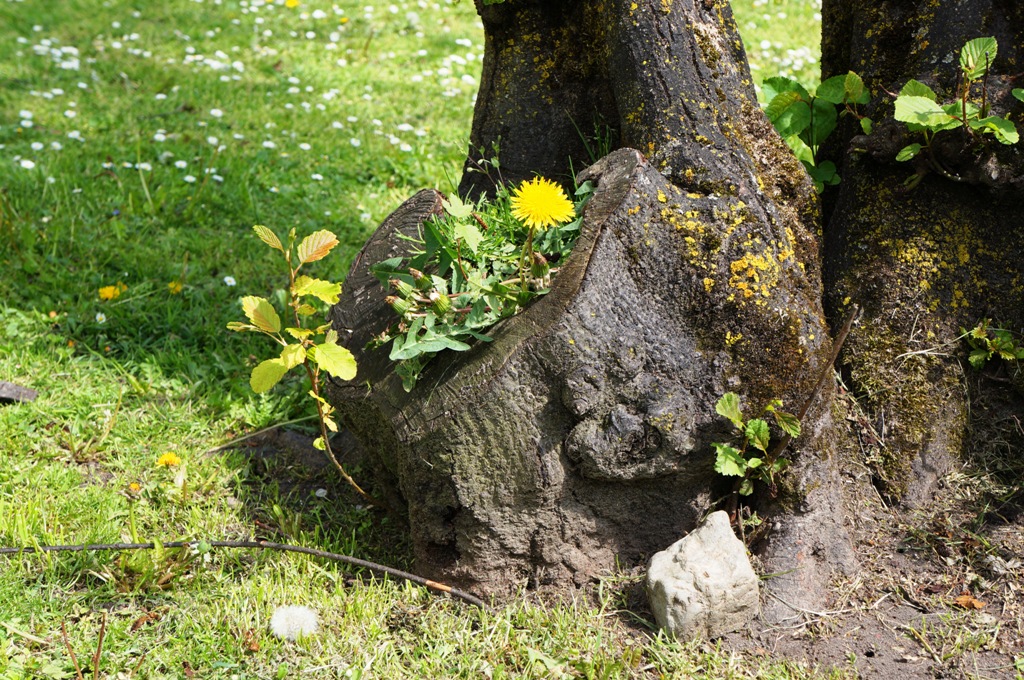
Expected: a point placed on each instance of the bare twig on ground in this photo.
(71, 652)
(237, 440)
(99, 648)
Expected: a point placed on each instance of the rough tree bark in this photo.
(580, 438)
(924, 262)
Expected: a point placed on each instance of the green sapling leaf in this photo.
(773, 86)
(976, 56)
(866, 125)
(856, 92)
(823, 174)
(746, 487)
(1001, 128)
(1018, 92)
(788, 423)
(823, 123)
(292, 355)
(299, 333)
(908, 152)
(757, 434)
(268, 237)
(319, 445)
(240, 327)
(915, 88)
(832, 90)
(956, 109)
(334, 359)
(316, 246)
(318, 288)
(923, 111)
(729, 461)
(800, 149)
(788, 113)
(261, 313)
(729, 407)
(267, 374)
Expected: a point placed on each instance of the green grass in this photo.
(781, 38)
(117, 178)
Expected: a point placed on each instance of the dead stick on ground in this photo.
(257, 433)
(99, 648)
(71, 652)
(264, 545)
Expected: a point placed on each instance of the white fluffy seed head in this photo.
(291, 622)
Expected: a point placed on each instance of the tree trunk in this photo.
(927, 261)
(581, 437)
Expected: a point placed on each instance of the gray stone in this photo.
(11, 393)
(703, 585)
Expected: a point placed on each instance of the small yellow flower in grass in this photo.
(540, 203)
(112, 292)
(174, 287)
(291, 4)
(168, 459)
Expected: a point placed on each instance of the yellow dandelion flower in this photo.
(540, 203)
(134, 487)
(174, 287)
(291, 4)
(168, 459)
(112, 292)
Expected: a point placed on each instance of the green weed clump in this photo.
(474, 266)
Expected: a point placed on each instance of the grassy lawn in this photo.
(138, 145)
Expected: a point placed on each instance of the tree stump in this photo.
(580, 438)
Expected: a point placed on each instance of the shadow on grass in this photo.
(291, 493)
